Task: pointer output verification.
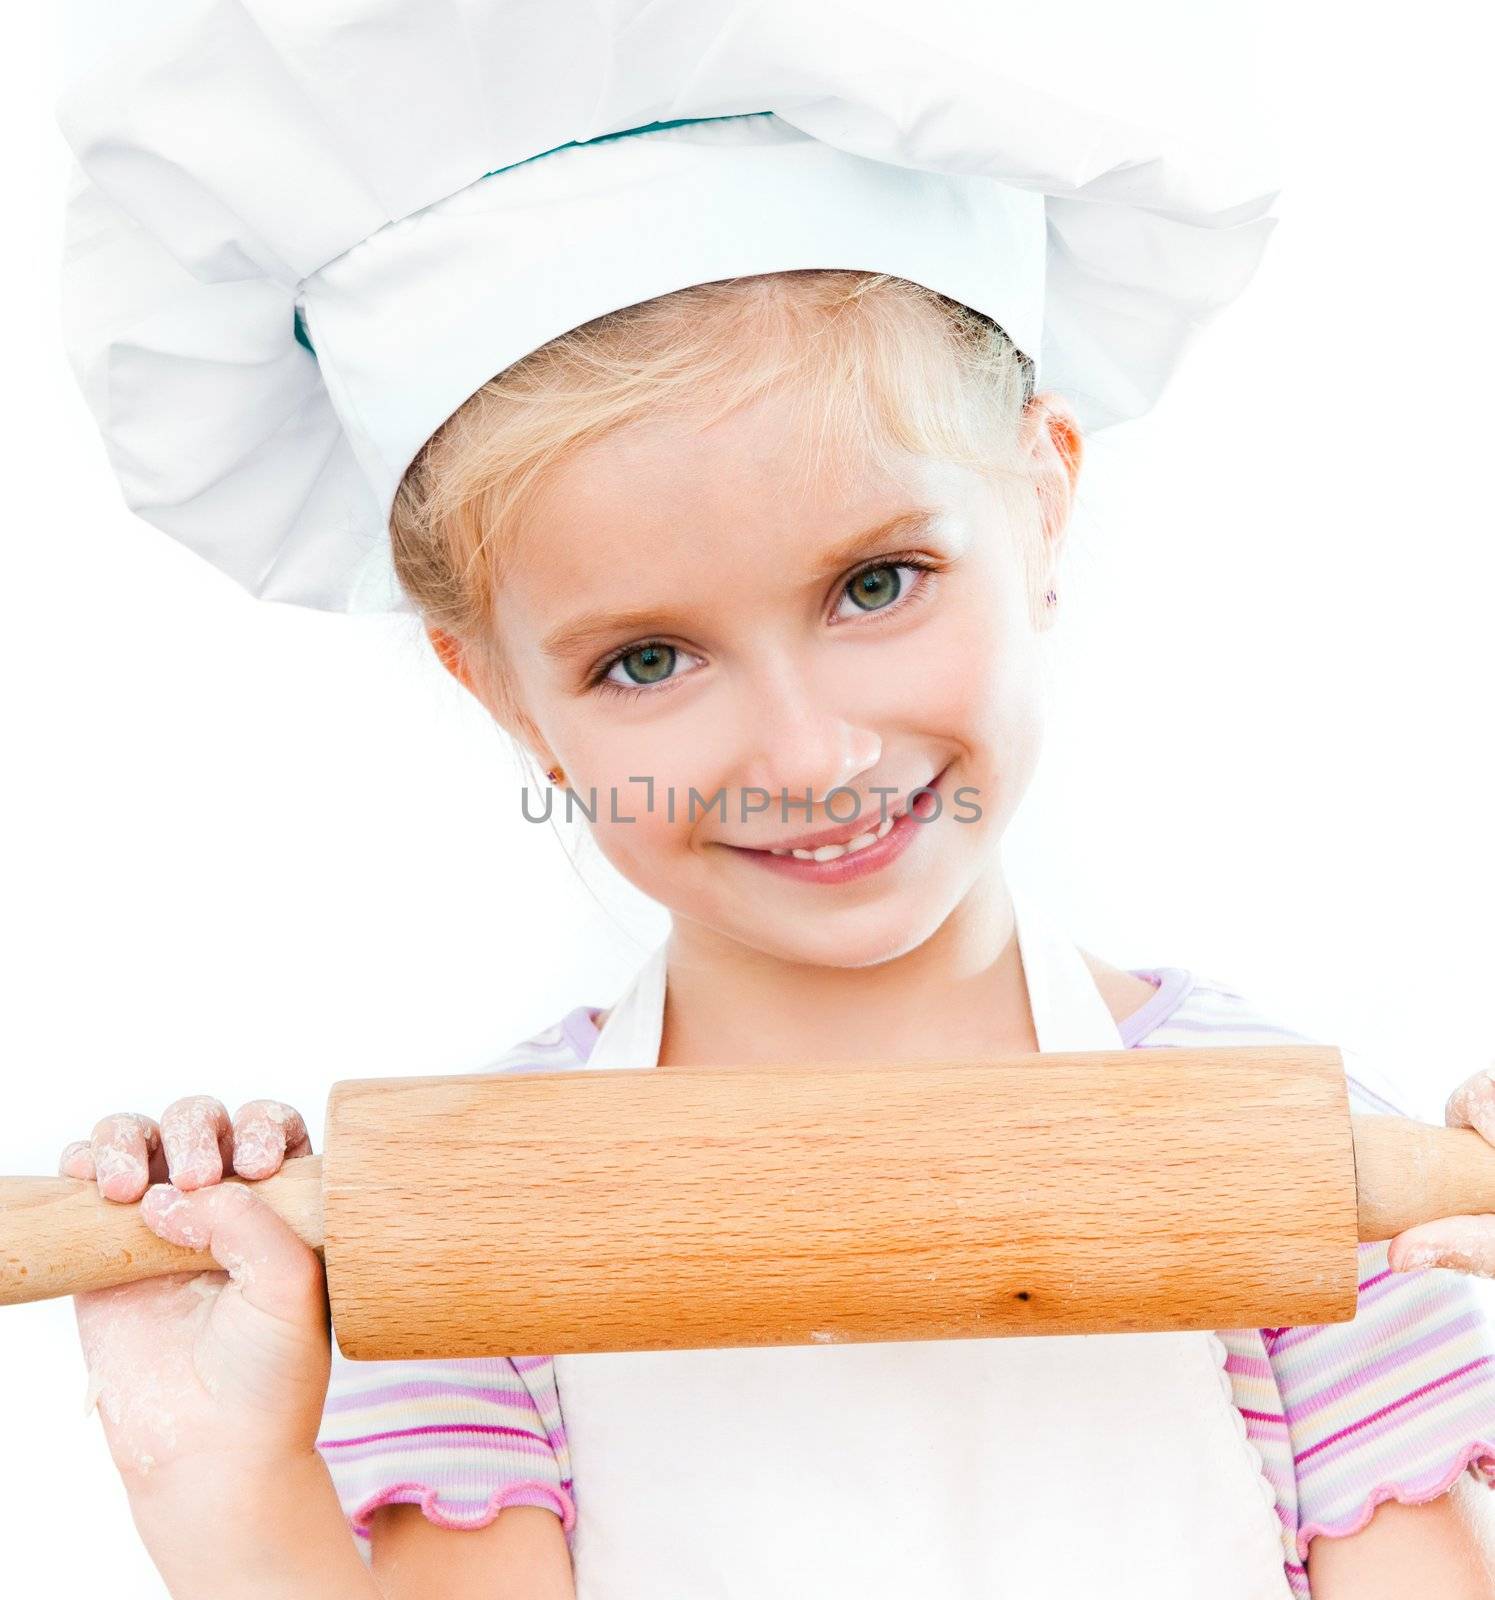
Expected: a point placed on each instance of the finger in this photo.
(76, 1160)
(1463, 1244)
(198, 1141)
(126, 1150)
(266, 1134)
(1472, 1105)
(274, 1269)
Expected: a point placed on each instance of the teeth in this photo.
(829, 852)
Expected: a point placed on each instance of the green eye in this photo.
(651, 663)
(875, 588)
(647, 666)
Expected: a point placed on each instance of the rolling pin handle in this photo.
(1410, 1172)
(61, 1236)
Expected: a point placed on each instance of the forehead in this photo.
(762, 480)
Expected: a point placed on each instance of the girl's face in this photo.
(711, 611)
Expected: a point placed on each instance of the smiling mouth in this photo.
(857, 842)
(829, 852)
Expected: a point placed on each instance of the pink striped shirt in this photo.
(1393, 1405)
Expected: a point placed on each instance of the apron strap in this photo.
(1068, 1011)
(1067, 1008)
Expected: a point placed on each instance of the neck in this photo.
(959, 995)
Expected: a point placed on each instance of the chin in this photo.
(867, 938)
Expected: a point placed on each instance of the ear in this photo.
(1051, 435)
(510, 716)
(449, 652)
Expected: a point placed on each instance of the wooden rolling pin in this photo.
(1084, 1192)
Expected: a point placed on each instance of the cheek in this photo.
(642, 773)
(985, 685)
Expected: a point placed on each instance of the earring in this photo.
(555, 774)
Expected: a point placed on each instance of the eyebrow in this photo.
(588, 631)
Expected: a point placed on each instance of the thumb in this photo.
(275, 1270)
(1465, 1244)
(1472, 1104)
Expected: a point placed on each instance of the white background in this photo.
(250, 850)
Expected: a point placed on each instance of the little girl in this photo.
(712, 456)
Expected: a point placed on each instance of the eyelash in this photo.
(600, 679)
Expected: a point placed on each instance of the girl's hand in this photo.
(205, 1376)
(1466, 1244)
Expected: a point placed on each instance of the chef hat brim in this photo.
(304, 235)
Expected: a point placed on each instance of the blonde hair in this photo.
(863, 355)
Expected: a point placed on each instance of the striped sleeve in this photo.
(1394, 1405)
(463, 1438)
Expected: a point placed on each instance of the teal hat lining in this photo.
(303, 338)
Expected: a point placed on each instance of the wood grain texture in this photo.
(1104, 1191)
(60, 1236)
(693, 1207)
(1409, 1172)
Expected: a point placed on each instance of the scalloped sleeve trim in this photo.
(1477, 1457)
(1220, 1353)
(530, 1492)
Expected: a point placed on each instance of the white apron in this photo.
(1037, 1468)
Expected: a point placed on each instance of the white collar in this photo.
(1067, 1008)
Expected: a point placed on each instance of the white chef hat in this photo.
(308, 230)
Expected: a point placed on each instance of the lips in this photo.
(832, 848)
(833, 866)
(842, 833)
(847, 838)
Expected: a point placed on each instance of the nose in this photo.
(797, 740)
